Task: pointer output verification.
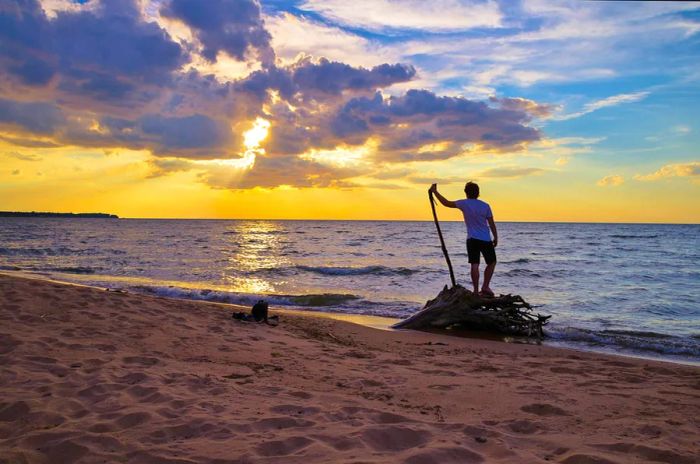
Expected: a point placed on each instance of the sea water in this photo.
(625, 288)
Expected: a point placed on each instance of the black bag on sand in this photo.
(257, 314)
(259, 311)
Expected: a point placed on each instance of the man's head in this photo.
(472, 190)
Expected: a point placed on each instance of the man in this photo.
(479, 219)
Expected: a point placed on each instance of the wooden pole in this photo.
(442, 240)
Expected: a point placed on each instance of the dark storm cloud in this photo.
(115, 40)
(307, 78)
(333, 77)
(37, 117)
(25, 39)
(94, 51)
(405, 124)
(195, 132)
(231, 26)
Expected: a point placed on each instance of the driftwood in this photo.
(459, 307)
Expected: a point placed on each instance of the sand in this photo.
(91, 376)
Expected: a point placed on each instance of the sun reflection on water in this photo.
(255, 247)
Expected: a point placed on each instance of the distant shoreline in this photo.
(57, 215)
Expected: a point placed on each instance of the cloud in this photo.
(294, 36)
(106, 52)
(231, 26)
(682, 129)
(405, 124)
(37, 117)
(437, 179)
(132, 74)
(321, 79)
(22, 156)
(604, 103)
(379, 15)
(270, 172)
(197, 135)
(510, 172)
(164, 166)
(31, 142)
(611, 181)
(691, 169)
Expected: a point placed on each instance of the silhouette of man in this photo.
(479, 219)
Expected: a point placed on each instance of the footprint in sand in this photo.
(543, 409)
(11, 412)
(586, 459)
(133, 378)
(8, 343)
(64, 452)
(283, 447)
(295, 410)
(441, 387)
(389, 418)
(394, 438)
(301, 395)
(524, 426)
(141, 360)
(134, 419)
(338, 443)
(279, 423)
(647, 453)
(445, 456)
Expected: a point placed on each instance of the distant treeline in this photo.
(56, 215)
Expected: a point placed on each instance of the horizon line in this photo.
(372, 220)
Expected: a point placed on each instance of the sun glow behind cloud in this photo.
(252, 138)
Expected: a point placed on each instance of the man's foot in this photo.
(487, 292)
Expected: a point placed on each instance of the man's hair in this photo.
(472, 190)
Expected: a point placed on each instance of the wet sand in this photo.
(90, 376)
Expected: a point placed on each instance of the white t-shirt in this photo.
(476, 213)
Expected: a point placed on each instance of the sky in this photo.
(329, 109)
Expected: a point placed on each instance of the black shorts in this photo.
(476, 248)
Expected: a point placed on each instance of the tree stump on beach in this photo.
(459, 307)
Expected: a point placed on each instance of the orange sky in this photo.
(288, 110)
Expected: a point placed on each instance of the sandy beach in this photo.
(90, 376)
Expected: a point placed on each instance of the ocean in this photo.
(623, 288)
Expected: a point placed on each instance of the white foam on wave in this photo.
(634, 341)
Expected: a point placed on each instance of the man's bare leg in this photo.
(488, 273)
(475, 277)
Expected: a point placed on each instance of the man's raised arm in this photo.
(441, 199)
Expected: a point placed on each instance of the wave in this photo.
(516, 261)
(10, 268)
(312, 300)
(632, 236)
(365, 270)
(518, 272)
(37, 251)
(66, 269)
(58, 251)
(322, 299)
(634, 340)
